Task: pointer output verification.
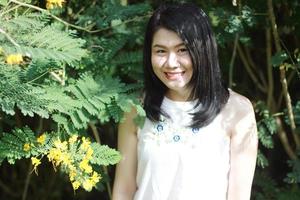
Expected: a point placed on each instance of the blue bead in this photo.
(159, 127)
(195, 130)
(176, 138)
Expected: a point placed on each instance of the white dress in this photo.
(180, 163)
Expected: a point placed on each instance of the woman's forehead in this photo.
(166, 38)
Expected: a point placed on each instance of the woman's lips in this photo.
(174, 75)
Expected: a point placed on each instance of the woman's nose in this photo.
(172, 61)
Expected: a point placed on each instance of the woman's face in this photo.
(171, 63)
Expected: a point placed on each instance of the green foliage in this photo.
(88, 99)
(228, 23)
(72, 156)
(118, 50)
(266, 126)
(41, 41)
(262, 161)
(117, 11)
(12, 145)
(266, 129)
(103, 155)
(14, 93)
(76, 78)
(278, 58)
(264, 187)
(58, 74)
(289, 194)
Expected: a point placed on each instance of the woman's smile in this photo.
(174, 75)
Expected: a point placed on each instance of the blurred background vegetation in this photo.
(71, 68)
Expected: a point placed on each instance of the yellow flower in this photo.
(95, 177)
(14, 59)
(89, 153)
(75, 185)
(26, 147)
(41, 139)
(35, 162)
(54, 3)
(85, 143)
(61, 145)
(66, 159)
(73, 139)
(72, 175)
(88, 185)
(84, 166)
(54, 156)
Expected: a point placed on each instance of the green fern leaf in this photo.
(103, 155)
(12, 144)
(25, 23)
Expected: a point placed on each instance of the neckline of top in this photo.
(182, 104)
(179, 102)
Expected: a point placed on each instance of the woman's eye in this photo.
(182, 50)
(160, 51)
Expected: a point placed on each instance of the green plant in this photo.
(46, 76)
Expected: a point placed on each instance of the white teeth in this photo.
(174, 75)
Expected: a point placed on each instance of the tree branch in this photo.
(9, 38)
(269, 70)
(284, 140)
(249, 70)
(27, 181)
(255, 68)
(232, 60)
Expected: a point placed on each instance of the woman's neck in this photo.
(178, 96)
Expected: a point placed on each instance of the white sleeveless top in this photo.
(180, 163)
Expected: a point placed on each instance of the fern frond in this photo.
(69, 56)
(115, 112)
(24, 23)
(266, 126)
(25, 97)
(12, 144)
(262, 161)
(52, 38)
(103, 155)
(111, 46)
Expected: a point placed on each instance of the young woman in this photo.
(199, 140)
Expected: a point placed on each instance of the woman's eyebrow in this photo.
(162, 46)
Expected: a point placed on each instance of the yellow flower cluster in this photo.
(59, 154)
(50, 4)
(80, 171)
(72, 156)
(14, 59)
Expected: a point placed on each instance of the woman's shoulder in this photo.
(238, 109)
(128, 120)
(238, 104)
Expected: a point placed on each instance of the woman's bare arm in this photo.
(243, 151)
(125, 178)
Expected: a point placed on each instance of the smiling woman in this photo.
(199, 140)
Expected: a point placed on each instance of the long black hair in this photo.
(193, 27)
